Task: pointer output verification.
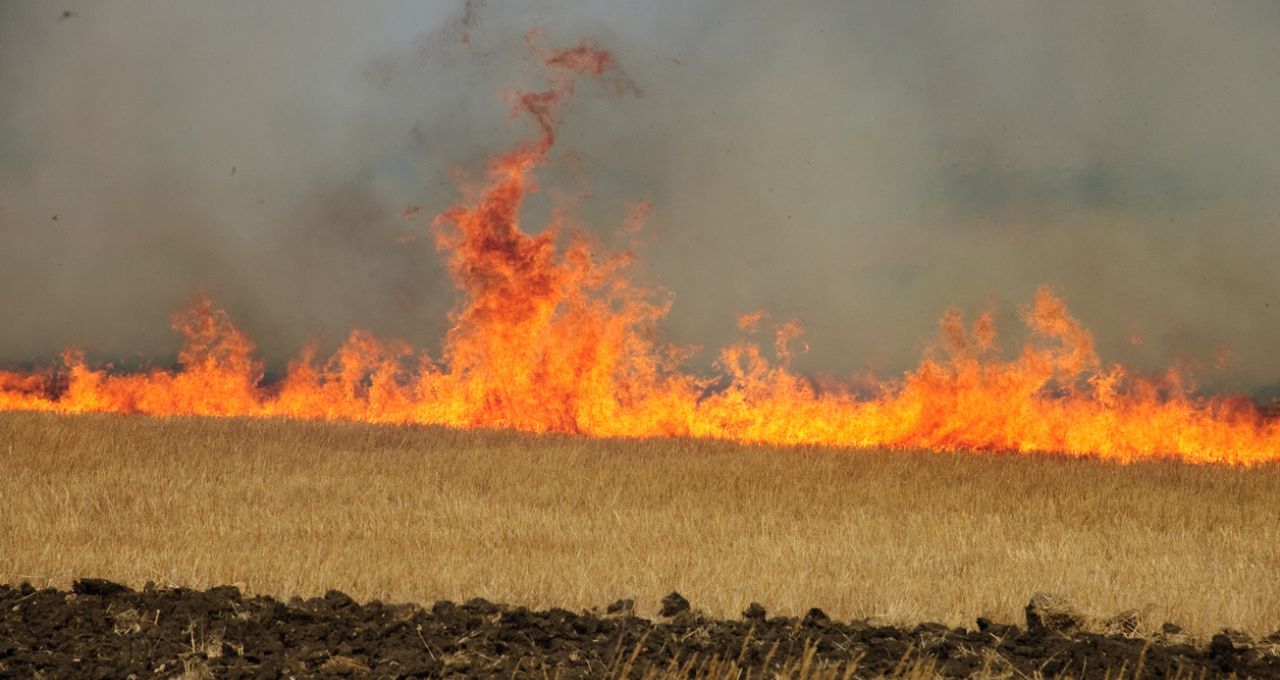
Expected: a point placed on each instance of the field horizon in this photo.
(418, 514)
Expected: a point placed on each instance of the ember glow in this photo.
(553, 335)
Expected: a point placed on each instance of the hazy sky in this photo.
(860, 166)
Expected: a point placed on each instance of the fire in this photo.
(553, 336)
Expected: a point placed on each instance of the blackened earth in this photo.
(104, 630)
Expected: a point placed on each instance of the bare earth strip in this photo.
(420, 514)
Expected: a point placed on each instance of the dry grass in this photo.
(420, 514)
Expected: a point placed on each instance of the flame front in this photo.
(552, 336)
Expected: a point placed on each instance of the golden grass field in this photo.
(419, 514)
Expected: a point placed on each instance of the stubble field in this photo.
(421, 514)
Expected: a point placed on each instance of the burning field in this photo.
(553, 335)
(995, 511)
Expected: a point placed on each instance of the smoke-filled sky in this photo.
(858, 166)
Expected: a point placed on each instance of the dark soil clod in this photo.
(816, 616)
(98, 586)
(1221, 645)
(224, 592)
(673, 605)
(1052, 612)
(338, 599)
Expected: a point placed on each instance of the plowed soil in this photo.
(105, 630)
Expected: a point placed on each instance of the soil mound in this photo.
(105, 630)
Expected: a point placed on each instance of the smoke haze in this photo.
(858, 166)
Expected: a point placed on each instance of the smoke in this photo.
(857, 166)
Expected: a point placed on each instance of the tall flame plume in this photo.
(552, 335)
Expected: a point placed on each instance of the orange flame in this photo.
(552, 336)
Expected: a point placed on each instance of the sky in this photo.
(858, 166)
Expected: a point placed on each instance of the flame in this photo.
(552, 335)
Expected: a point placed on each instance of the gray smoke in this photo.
(858, 166)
